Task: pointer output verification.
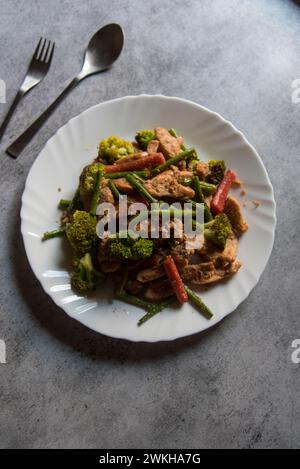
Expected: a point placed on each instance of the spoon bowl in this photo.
(103, 49)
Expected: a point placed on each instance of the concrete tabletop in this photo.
(236, 386)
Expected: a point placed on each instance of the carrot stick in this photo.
(175, 279)
(135, 165)
(219, 199)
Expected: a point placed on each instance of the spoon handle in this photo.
(22, 141)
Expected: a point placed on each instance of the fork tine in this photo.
(44, 58)
(35, 55)
(51, 53)
(39, 57)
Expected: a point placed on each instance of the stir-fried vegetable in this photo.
(81, 232)
(87, 180)
(130, 248)
(175, 279)
(84, 276)
(153, 309)
(174, 133)
(176, 159)
(64, 204)
(217, 170)
(76, 202)
(96, 194)
(136, 164)
(205, 186)
(143, 137)
(54, 233)
(219, 199)
(200, 198)
(155, 268)
(140, 188)
(218, 230)
(114, 190)
(196, 300)
(114, 148)
(123, 174)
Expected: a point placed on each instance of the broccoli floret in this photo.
(217, 170)
(81, 233)
(143, 137)
(87, 180)
(130, 248)
(88, 183)
(84, 277)
(113, 148)
(192, 163)
(218, 230)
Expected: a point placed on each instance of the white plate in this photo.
(75, 144)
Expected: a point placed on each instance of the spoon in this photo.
(102, 51)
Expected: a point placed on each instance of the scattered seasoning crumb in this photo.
(237, 183)
(243, 192)
(256, 203)
(59, 189)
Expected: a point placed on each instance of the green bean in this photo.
(54, 233)
(200, 198)
(155, 309)
(174, 133)
(196, 300)
(64, 204)
(114, 190)
(132, 300)
(76, 202)
(123, 174)
(96, 193)
(205, 186)
(140, 188)
(181, 156)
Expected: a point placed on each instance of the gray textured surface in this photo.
(235, 386)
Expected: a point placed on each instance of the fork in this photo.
(37, 70)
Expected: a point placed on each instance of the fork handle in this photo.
(22, 141)
(10, 112)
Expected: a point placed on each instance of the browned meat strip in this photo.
(233, 211)
(181, 174)
(208, 264)
(105, 193)
(105, 196)
(123, 185)
(167, 185)
(134, 287)
(219, 257)
(181, 255)
(133, 157)
(208, 252)
(153, 146)
(159, 290)
(202, 170)
(147, 275)
(207, 272)
(168, 145)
